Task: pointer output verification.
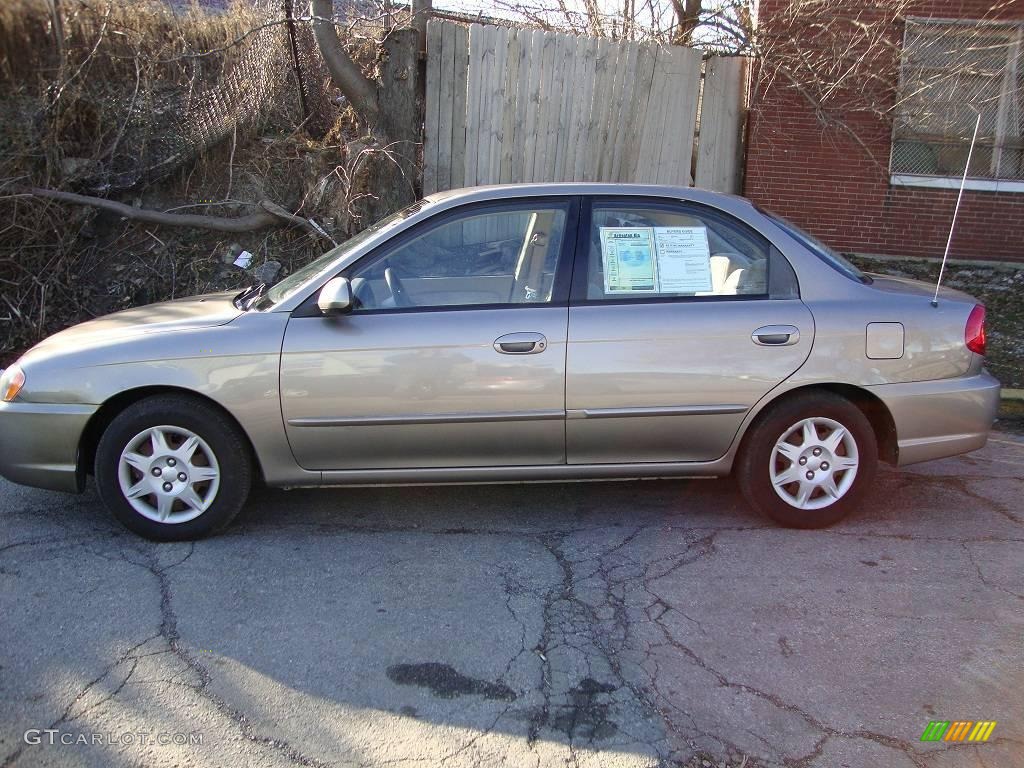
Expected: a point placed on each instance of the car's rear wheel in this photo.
(172, 468)
(808, 461)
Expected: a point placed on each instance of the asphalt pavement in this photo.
(609, 624)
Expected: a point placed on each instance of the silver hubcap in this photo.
(168, 474)
(814, 463)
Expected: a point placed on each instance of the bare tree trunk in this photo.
(688, 18)
(390, 108)
(346, 74)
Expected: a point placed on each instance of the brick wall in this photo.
(837, 186)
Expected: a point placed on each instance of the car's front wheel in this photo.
(808, 462)
(172, 468)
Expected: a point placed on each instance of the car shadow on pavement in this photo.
(528, 507)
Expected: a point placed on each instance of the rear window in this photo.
(818, 248)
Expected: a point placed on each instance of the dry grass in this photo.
(132, 100)
(150, 27)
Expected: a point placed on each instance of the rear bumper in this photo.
(39, 444)
(936, 419)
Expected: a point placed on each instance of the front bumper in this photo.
(39, 444)
(936, 419)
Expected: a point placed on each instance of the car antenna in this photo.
(956, 210)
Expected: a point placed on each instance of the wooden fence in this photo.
(519, 105)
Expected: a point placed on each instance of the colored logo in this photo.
(958, 730)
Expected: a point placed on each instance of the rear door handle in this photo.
(521, 343)
(776, 335)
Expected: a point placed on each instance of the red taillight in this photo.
(974, 333)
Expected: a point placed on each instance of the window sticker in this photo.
(628, 255)
(655, 260)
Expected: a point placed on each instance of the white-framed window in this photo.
(950, 71)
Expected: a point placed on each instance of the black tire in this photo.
(754, 465)
(229, 446)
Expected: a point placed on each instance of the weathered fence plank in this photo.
(473, 92)
(625, 75)
(510, 105)
(565, 89)
(544, 108)
(637, 114)
(719, 148)
(597, 129)
(498, 80)
(522, 106)
(526, 145)
(652, 106)
(443, 175)
(485, 103)
(689, 103)
(432, 109)
(579, 138)
(460, 86)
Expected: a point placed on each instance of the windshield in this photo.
(810, 242)
(301, 276)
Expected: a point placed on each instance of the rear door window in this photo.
(650, 250)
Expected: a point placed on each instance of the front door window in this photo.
(493, 257)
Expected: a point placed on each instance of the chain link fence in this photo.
(166, 129)
(133, 91)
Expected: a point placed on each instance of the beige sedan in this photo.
(505, 334)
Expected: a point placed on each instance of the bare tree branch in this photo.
(270, 214)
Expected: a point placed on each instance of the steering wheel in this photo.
(397, 289)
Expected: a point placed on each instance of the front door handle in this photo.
(776, 335)
(521, 343)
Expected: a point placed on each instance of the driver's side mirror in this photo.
(335, 297)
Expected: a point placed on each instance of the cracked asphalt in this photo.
(611, 624)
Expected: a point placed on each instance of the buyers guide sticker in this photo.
(683, 259)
